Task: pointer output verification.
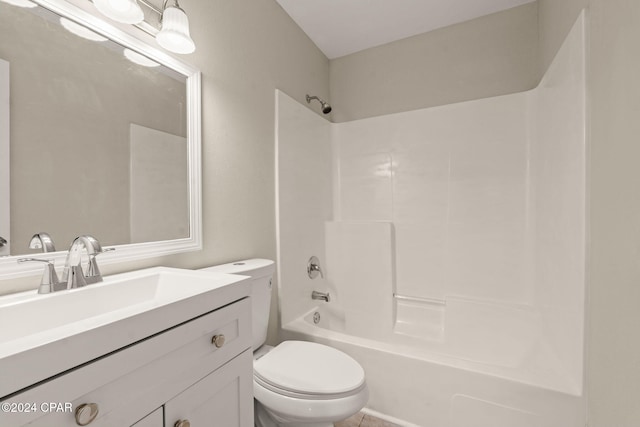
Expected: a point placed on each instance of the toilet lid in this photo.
(309, 368)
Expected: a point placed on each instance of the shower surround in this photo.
(453, 245)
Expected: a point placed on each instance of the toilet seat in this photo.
(308, 370)
(306, 396)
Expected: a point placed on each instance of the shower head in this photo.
(326, 108)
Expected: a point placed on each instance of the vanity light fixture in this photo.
(125, 11)
(174, 25)
(174, 34)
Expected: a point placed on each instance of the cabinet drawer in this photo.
(136, 380)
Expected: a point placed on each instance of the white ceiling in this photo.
(341, 27)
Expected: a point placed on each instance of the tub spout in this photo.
(324, 296)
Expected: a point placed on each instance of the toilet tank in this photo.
(261, 272)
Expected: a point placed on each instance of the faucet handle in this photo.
(49, 277)
(21, 260)
(313, 268)
(92, 268)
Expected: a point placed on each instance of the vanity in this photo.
(154, 347)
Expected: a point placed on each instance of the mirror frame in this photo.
(10, 268)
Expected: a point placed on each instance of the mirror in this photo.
(104, 138)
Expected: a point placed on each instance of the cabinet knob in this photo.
(86, 413)
(218, 340)
(182, 423)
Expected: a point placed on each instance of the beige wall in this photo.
(613, 343)
(614, 361)
(488, 56)
(245, 50)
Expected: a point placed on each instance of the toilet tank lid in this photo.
(255, 267)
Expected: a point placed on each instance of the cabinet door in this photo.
(224, 398)
(154, 419)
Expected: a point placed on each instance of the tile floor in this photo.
(362, 420)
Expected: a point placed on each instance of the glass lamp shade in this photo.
(174, 35)
(125, 11)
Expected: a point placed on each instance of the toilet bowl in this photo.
(296, 383)
(300, 383)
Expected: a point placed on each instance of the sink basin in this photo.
(43, 335)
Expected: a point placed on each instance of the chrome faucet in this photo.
(323, 296)
(42, 241)
(72, 274)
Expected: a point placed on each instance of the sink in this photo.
(44, 335)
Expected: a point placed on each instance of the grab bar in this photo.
(432, 301)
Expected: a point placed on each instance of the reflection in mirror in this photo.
(103, 137)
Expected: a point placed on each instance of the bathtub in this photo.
(459, 376)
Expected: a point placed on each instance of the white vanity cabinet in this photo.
(200, 371)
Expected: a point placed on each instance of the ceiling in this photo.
(341, 27)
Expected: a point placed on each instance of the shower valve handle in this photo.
(313, 268)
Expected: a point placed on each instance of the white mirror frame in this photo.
(10, 268)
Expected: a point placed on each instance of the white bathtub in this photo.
(462, 378)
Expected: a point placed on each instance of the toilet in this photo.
(296, 383)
